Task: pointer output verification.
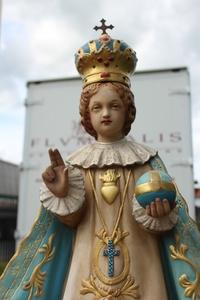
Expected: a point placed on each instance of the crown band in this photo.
(106, 77)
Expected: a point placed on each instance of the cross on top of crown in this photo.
(103, 26)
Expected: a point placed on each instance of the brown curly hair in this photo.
(125, 94)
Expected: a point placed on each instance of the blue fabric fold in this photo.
(40, 266)
(180, 251)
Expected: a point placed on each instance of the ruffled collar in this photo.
(121, 153)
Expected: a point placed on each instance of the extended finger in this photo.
(159, 207)
(153, 210)
(52, 158)
(166, 206)
(58, 158)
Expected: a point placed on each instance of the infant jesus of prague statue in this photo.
(92, 239)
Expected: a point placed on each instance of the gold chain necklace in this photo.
(120, 208)
(106, 246)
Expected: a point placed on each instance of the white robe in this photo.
(138, 262)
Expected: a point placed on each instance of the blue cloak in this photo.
(40, 267)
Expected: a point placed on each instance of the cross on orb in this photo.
(111, 253)
(103, 26)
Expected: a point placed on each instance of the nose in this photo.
(106, 112)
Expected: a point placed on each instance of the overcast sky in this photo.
(39, 38)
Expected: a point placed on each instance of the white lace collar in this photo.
(122, 152)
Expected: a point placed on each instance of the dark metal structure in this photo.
(9, 180)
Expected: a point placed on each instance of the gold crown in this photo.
(105, 59)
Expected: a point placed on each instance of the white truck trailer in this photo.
(163, 121)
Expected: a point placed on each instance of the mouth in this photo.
(106, 122)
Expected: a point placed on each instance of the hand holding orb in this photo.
(155, 187)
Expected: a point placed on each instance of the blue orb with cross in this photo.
(155, 184)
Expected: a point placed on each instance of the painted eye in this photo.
(115, 106)
(96, 107)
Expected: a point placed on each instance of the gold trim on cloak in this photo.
(21, 244)
(37, 278)
(178, 252)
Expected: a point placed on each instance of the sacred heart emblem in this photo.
(109, 189)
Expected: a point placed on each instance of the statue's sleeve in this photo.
(69, 209)
(157, 225)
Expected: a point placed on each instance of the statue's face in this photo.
(107, 114)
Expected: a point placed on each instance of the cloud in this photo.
(39, 39)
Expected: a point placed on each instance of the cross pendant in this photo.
(110, 252)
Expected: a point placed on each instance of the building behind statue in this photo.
(9, 182)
